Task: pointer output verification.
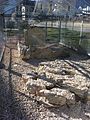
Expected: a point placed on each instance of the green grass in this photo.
(13, 32)
(67, 36)
(52, 34)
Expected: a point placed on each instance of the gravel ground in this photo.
(16, 104)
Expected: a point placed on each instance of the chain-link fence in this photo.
(2, 36)
(70, 32)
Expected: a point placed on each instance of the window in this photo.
(68, 8)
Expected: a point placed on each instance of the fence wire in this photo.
(73, 33)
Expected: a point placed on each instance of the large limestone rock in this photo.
(34, 86)
(55, 71)
(80, 91)
(31, 75)
(57, 96)
(60, 71)
(79, 87)
(59, 83)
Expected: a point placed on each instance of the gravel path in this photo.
(16, 104)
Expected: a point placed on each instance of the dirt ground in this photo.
(16, 104)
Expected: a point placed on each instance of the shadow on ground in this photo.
(11, 106)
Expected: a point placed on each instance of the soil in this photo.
(17, 104)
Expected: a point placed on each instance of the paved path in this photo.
(76, 26)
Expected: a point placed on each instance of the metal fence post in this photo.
(46, 30)
(73, 25)
(81, 33)
(59, 29)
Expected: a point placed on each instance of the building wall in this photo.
(68, 7)
(29, 7)
(59, 7)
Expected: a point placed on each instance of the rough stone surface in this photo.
(17, 104)
(64, 76)
(58, 96)
(76, 87)
(34, 86)
(54, 97)
(32, 75)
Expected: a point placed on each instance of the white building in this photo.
(25, 9)
(23, 12)
(65, 7)
(86, 10)
(58, 7)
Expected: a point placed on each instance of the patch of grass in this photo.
(52, 34)
(67, 36)
(14, 32)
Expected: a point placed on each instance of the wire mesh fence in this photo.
(46, 24)
(2, 36)
(72, 33)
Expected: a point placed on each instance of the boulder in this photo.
(49, 86)
(80, 91)
(34, 86)
(54, 74)
(58, 96)
(41, 69)
(32, 75)
(53, 70)
(76, 87)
